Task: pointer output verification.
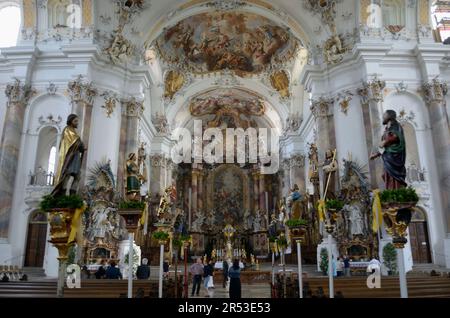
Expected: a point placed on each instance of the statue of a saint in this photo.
(329, 167)
(356, 220)
(142, 156)
(71, 153)
(257, 221)
(133, 177)
(394, 155)
(313, 163)
(295, 203)
(198, 222)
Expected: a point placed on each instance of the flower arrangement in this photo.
(160, 236)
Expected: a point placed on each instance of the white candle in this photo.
(190, 207)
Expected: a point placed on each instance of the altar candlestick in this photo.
(190, 207)
(267, 201)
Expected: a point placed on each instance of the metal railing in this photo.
(41, 178)
(415, 174)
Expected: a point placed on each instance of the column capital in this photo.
(81, 91)
(19, 93)
(372, 90)
(434, 91)
(157, 160)
(297, 160)
(322, 107)
(161, 124)
(132, 107)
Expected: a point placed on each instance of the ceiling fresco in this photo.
(231, 105)
(244, 42)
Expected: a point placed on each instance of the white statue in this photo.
(257, 221)
(198, 222)
(356, 219)
(101, 223)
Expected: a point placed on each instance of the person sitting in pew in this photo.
(113, 272)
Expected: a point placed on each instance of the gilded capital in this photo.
(81, 91)
(322, 107)
(297, 160)
(434, 91)
(158, 160)
(132, 107)
(372, 91)
(18, 93)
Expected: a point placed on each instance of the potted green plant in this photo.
(50, 203)
(297, 228)
(390, 258)
(334, 205)
(62, 210)
(281, 241)
(399, 198)
(324, 261)
(161, 237)
(397, 205)
(131, 205)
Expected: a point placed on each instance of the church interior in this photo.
(305, 140)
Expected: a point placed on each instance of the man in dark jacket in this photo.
(143, 271)
(113, 272)
(225, 273)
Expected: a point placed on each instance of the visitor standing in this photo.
(234, 272)
(196, 271)
(225, 273)
(346, 266)
(208, 271)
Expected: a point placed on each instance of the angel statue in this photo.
(166, 203)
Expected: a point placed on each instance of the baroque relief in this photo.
(209, 42)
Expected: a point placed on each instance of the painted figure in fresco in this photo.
(133, 178)
(71, 153)
(295, 203)
(394, 154)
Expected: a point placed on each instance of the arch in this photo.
(10, 23)
(274, 116)
(409, 102)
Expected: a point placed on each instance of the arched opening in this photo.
(414, 170)
(46, 156)
(418, 237)
(36, 239)
(10, 21)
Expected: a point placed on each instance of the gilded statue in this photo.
(173, 83)
(165, 204)
(71, 154)
(133, 187)
(295, 203)
(280, 82)
(313, 163)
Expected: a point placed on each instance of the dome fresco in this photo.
(209, 42)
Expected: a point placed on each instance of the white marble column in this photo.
(18, 95)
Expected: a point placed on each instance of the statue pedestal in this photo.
(324, 244)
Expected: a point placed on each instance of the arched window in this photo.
(10, 21)
(52, 160)
(394, 12)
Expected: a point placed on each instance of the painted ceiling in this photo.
(212, 101)
(244, 42)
